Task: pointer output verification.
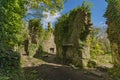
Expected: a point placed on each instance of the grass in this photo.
(103, 60)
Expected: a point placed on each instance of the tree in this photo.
(43, 5)
(112, 14)
(98, 42)
(11, 14)
(87, 4)
(113, 17)
(12, 27)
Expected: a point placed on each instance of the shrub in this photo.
(10, 65)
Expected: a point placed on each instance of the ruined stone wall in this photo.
(71, 33)
(114, 37)
(113, 20)
(40, 41)
(49, 45)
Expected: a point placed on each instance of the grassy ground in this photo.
(103, 60)
(48, 69)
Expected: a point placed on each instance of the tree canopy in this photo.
(11, 24)
(43, 5)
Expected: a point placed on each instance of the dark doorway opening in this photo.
(51, 50)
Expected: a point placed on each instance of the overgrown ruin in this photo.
(39, 41)
(49, 45)
(71, 33)
(113, 21)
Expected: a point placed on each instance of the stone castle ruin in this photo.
(71, 33)
(49, 45)
(68, 40)
(39, 41)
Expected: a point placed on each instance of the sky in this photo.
(98, 10)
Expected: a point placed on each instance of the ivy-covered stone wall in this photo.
(113, 17)
(39, 41)
(113, 20)
(71, 33)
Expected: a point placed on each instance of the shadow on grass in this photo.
(57, 72)
(47, 57)
(54, 70)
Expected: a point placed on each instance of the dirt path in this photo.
(50, 70)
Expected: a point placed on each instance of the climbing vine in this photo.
(113, 17)
(11, 29)
(37, 35)
(71, 29)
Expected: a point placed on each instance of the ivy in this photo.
(11, 34)
(71, 32)
(11, 24)
(113, 18)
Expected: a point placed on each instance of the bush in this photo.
(9, 59)
(91, 64)
(10, 65)
(115, 73)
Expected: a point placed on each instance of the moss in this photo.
(37, 35)
(112, 14)
(115, 73)
(32, 49)
(91, 64)
(70, 29)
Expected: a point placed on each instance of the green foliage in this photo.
(39, 52)
(95, 46)
(112, 14)
(95, 49)
(48, 31)
(65, 24)
(11, 24)
(87, 4)
(113, 18)
(34, 24)
(12, 33)
(10, 65)
(32, 49)
(37, 35)
(80, 48)
(9, 58)
(54, 4)
(35, 30)
(115, 73)
(98, 43)
(91, 64)
(4, 78)
(45, 5)
(11, 29)
(71, 32)
(62, 32)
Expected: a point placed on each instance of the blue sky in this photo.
(98, 10)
